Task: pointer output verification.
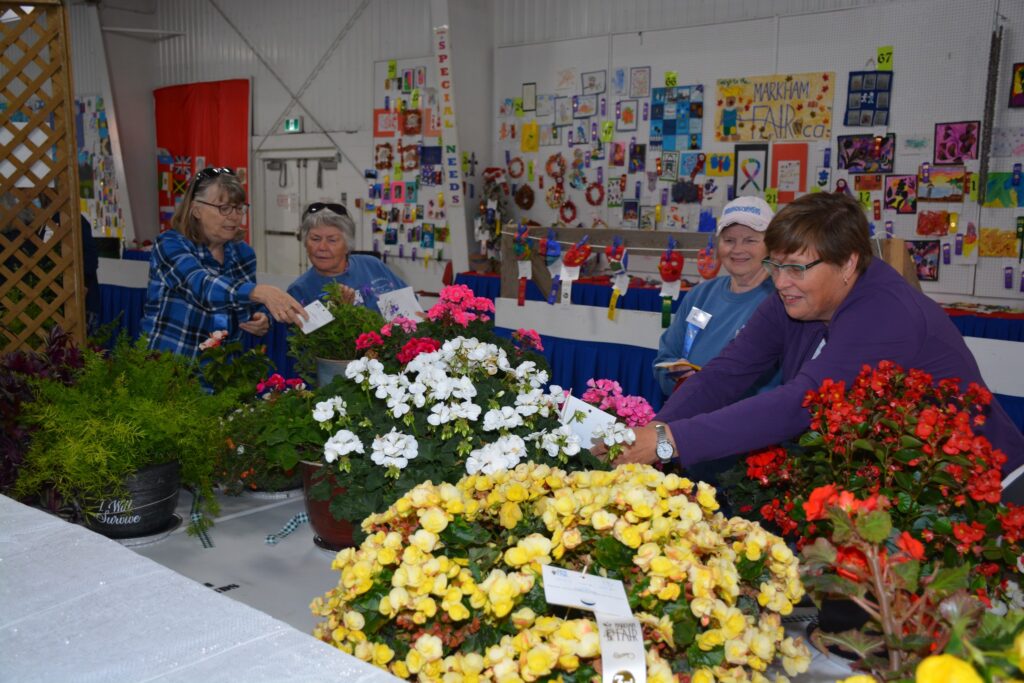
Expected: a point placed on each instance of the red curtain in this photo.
(199, 125)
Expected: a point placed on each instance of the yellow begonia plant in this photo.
(447, 584)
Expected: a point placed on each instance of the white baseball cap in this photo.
(752, 212)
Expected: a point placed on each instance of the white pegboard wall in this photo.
(940, 65)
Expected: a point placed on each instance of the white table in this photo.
(75, 606)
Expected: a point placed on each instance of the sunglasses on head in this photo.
(320, 206)
(208, 174)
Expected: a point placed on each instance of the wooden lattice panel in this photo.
(40, 235)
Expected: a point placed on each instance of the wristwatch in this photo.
(664, 450)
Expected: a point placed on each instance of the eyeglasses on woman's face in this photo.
(795, 271)
(320, 206)
(208, 174)
(226, 209)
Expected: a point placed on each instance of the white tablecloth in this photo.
(75, 606)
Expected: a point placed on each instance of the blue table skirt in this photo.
(572, 361)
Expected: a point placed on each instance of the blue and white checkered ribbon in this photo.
(197, 519)
(288, 528)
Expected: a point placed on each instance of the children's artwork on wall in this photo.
(669, 166)
(751, 169)
(900, 193)
(944, 185)
(545, 105)
(547, 135)
(913, 144)
(933, 223)
(563, 111)
(689, 163)
(778, 107)
(584, 106)
(678, 114)
(613, 191)
(867, 182)
(1008, 142)
(719, 164)
(868, 99)
(789, 170)
(619, 84)
(640, 81)
(627, 116)
(530, 140)
(1001, 193)
(630, 213)
(593, 82)
(383, 156)
(866, 153)
(384, 123)
(998, 242)
(427, 236)
(391, 235)
(925, 254)
(957, 142)
(529, 96)
(618, 154)
(637, 158)
(565, 79)
(963, 247)
(1017, 85)
(410, 122)
(431, 124)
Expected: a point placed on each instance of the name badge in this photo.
(698, 317)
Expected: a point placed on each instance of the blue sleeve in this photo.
(396, 282)
(670, 346)
(175, 262)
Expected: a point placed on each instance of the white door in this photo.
(289, 186)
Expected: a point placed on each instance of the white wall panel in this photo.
(88, 65)
(532, 21)
(292, 38)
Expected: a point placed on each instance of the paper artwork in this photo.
(868, 98)
(677, 117)
(751, 170)
(640, 81)
(998, 242)
(1017, 85)
(956, 142)
(627, 116)
(925, 254)
(779, 107)
(943, 185)
(593, 82)
(866, 153)
(901, 193)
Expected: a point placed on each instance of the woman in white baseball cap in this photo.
(713, 312)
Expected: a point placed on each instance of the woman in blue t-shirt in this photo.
(327, 232)
(713, 312)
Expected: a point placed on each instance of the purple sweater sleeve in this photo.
(706, 423)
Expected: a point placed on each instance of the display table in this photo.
(75, 606)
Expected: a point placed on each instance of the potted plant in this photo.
(896, 503)
(134, 421)
(324, 352)
(449, 585)
(266, 438)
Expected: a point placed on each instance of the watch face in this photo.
(664, 450)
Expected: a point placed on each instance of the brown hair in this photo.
(834, 225)
(218, 180)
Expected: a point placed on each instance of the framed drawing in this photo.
(529, 96)
(593, 82)
(751, 170)
(640, 81)
(866, 153)
(956, 142)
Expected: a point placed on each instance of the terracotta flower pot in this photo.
(330, 533)
(146, 509)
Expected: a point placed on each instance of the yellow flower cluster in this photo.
(431, 597)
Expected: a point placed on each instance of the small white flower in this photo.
(505, 417)
(326, 410)
(560, 440)
(615, 433)
(342, 443)
(394, 449)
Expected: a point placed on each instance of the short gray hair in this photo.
(327, 217)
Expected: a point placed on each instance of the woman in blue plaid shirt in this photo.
(202, 276)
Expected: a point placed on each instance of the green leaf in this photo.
(684, 630)
(750, 570)
(863, 445)
(949, 579)
(907, 441)
(904, 503)
(856, 642)
(821, 553)
(460, 535)
(908, 573)
(943, 526)
(810, 439)
(698, 658)
(842, 525)
(612, 554)
(875, 526)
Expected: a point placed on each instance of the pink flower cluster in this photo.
(526, 340)
(407, 325)
(458, 305)
(607, 394)
(278, 384)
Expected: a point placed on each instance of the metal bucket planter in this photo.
(147, 508)
(330, 533)
(327, 369)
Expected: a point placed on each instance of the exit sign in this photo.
(293, 125)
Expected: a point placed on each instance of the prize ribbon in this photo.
(617, 261)
(551, 250)
(522, 250)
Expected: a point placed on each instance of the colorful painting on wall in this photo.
(1017, 85)
(779, 107)
(956, 142)
(751, 170)
(943, 185)
(998, 242)
(868, 98)
(925, 254)
(901, 193)
(677, 115)
(866, 153)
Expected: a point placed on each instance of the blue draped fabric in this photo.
(136, 255)
(573, 361)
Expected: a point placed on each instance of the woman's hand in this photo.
(281, 305)
(642, 450)
(258, 324)
(348, 295)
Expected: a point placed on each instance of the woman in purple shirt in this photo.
(837, 309)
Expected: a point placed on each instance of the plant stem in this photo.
(887, 622)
